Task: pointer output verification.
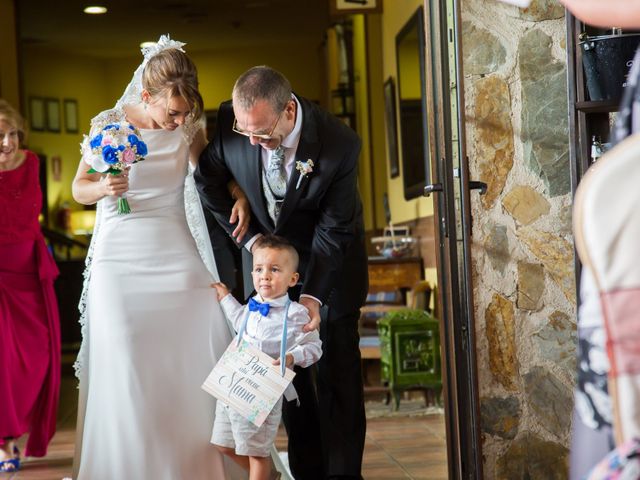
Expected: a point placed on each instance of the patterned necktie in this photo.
(276, 174)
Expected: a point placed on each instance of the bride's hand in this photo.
(115, 185)
(240, 213)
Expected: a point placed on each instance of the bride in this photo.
(152, 327)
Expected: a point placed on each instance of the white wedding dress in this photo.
(153, 331)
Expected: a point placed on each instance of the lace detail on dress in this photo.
(78, 365)
(189, 130)
(197, 224)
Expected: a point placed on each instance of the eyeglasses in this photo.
(260, 136)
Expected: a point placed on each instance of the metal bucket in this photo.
(606, 60)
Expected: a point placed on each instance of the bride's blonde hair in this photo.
(172, 73)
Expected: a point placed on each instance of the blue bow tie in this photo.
(255, 306)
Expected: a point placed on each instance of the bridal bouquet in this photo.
(115, 148)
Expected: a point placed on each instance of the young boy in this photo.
(275, 264)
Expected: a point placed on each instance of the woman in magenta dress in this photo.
(29, 321)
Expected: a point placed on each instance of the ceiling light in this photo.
(147, 44)
(95, 9)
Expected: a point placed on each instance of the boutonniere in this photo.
(305, 168)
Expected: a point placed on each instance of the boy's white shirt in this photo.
(265, 333)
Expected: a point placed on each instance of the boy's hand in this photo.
(288, 360)
(221, 290)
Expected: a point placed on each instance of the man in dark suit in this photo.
(309, 196)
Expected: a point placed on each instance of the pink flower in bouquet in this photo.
(129, 156)
(106, 141)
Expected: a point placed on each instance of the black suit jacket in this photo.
(322, 218)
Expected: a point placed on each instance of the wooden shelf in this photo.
(599, 106)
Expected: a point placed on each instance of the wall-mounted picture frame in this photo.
(414, 144)
(70, 107)
(52, 106)
(348, 7)
(37, 116)
(391, 124)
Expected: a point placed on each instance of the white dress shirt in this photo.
(265, 333)
(290, 144)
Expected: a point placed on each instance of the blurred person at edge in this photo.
(606, 14)
(593, 421)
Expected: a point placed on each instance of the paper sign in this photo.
(247, 380)
(518, 3)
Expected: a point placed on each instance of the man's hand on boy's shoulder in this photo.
(313, 306)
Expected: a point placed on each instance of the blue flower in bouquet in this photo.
(96, 141)
(140, 146)
(113, 149)
(110, 154)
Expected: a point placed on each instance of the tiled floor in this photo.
(405, 447)
(396, 447)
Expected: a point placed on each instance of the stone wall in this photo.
(523, 263)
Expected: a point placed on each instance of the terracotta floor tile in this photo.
(419, 456)
(396, 447)
(428, 472)
(384, 473)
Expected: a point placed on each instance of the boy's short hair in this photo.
(278, 243)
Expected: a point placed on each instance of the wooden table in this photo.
(387, 274)
(394, 273)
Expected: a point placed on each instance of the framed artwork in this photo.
(37, 117)
(56, 168)
(414, 144)
(348, 7)
(52, 106)
(70, 115)
(391, 125)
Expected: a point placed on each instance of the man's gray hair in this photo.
(261, 83)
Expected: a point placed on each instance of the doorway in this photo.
(450, 187)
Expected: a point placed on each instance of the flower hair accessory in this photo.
(112, 150)
(163, 43)
(305, 168)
